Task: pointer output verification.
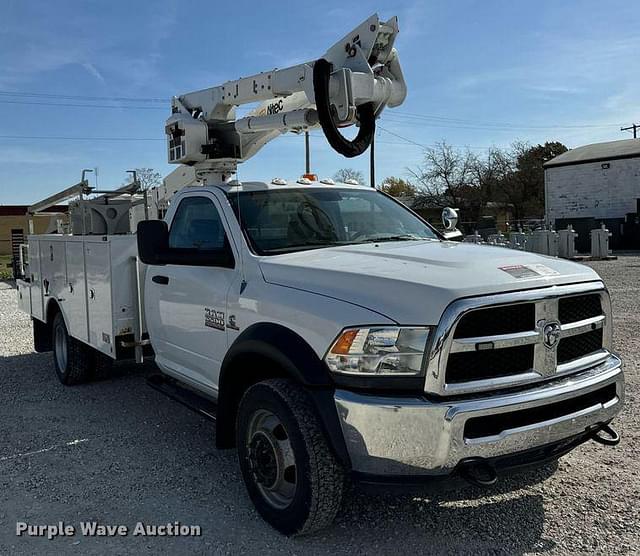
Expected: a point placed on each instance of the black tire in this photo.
(76, 364)
(317, 492)
(102, 366)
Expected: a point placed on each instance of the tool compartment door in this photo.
(75, 298)
(98, 268)
(36, 279)
(24, 296)
(53, 268)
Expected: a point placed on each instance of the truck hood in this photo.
(412, 282)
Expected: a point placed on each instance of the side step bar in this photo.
(187, 397)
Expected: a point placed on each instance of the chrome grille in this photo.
(579, 307)
(497, 320)
(516, 338)
(578, 346)
(466, 366)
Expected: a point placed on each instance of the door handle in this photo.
(158, 279)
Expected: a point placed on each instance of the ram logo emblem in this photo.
(551, 334)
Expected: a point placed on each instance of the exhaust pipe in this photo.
(478, 473)
(481, 473)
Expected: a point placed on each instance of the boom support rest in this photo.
(365, 114)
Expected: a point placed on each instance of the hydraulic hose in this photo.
(365, 113)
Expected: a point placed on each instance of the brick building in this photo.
(14, 225)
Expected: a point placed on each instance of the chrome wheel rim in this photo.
(60, 341)
(271, 459)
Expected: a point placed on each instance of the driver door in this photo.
(186, 303)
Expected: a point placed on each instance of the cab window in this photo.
(196, 225)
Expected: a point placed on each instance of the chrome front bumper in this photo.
(416, 436)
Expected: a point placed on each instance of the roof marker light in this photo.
(303, 181)
(327, 181)
(279, 181)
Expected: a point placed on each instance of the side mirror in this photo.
(153, 241)
(450, 221)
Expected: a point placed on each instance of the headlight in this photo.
(393, 351)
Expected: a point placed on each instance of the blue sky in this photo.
(480, 73)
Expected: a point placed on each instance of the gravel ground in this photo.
(119, 452)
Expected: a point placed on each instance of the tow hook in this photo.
(612, 438)
(478, 472)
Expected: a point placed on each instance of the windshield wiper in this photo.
(303, 246)
(399, 237)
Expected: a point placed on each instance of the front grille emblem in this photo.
(551, 334)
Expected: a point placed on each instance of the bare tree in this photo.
(448, 177)
(147, 177)
(345, 174)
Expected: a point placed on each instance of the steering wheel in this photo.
(316, 221)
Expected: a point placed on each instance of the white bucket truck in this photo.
(330, 331)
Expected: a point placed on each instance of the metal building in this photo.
(596, 184)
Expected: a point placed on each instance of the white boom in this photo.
(351, 84)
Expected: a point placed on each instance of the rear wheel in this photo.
(72, 359)
(290, 473)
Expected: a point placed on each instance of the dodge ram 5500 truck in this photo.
(331, 332)
(340, 335)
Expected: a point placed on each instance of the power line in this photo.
(435, 120)
(414, 121)
(406, 139)
(72, 138)
(75, 105)
(446, 119)
(81, 97)
(633, 127)
(66, 138)
(422, 146)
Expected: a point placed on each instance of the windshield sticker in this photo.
(521, 271)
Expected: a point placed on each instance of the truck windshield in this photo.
(287, 220)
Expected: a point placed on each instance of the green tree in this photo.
(397, 187)
(518, 176)
(529, 166)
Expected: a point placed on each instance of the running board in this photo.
(183, 395)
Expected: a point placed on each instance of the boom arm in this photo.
(353, 82)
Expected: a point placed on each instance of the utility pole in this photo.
(634, 127)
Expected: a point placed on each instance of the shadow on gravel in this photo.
(511, 526)
(146, 457)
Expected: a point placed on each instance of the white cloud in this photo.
(93, 71)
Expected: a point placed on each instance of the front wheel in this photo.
(290, 473)
(72, 359)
